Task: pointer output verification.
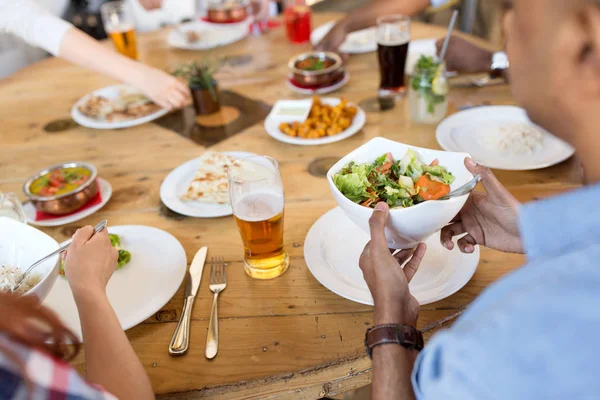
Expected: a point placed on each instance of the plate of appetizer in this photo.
(114, 107)
(203, 35)
(502, 137)
(151, 266)
(200, 187)
(329, 120)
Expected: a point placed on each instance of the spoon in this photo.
(98, 228)
(464, 189)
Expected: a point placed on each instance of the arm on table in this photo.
(392, 368)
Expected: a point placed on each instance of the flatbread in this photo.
(210, 183)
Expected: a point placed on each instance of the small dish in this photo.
(65, 203)
(316, 68)
(309, 91)
(407, 227)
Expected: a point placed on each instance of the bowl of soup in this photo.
(62, 188)
(316, 68)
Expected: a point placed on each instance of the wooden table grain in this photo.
(289, 338)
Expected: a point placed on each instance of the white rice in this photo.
(519, 138)
(9, 276)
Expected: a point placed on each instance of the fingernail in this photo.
(381, 206)
(447, 245)
(469, 248)
(469, 161)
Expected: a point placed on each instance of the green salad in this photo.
(115, 241)
(429, 81)
(401, 183)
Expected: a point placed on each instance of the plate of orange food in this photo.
(314, 122)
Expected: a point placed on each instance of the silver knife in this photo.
(181, 338)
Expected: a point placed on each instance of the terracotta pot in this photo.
(204, 103)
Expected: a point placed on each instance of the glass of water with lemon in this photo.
(428, 94)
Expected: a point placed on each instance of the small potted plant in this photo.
(205, 93)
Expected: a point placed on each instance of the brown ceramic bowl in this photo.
(321, 77)
(68, 202)
(234, 11)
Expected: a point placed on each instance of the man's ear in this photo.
(590, 53)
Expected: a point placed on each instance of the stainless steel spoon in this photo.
(98, 228)
(464, 189)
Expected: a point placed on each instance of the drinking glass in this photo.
(393, 38)
(119, 25)
(428, 95)
(297, 20)
(11, 207)
(256, 193)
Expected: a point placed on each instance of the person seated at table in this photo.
(466, 57)
(534, 333)
(38, 27)
(31, 368)
(365, 17)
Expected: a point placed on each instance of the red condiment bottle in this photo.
(297, 20)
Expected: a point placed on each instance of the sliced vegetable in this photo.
(429, 189)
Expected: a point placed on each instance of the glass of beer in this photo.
(256, 193)
(119, 25)
(393, 38)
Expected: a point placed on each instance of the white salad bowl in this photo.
(406, 227)
(22, 245)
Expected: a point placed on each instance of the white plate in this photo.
(211, 35)
(176, 184)
(272, 127)
(323, 90)
(416, 49)
(363, 41)
(333, 246)
(138, 290)
(110, 92)
(105, 192)
(461, 132)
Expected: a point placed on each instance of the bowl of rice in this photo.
(20, 246)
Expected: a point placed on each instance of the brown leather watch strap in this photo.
(404, 335)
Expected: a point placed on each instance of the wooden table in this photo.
(285, 338)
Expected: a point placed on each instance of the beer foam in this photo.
(119, 27)
(259, 206)
(393, 38)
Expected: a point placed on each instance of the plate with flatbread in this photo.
(199, 187)
(114, 107)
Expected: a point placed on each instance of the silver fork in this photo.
(218, 283)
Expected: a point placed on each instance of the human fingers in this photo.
(466, 244)
(412, 266)
(362, 262)
(176, 99)
(448, 232)
(377, 226)
(82, 235)
(492, 185)
(403, 255)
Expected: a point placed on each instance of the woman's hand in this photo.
(162, 88)
(387, 280)
(463, 56)
(90, 262)
(490, 219)
(334, 38)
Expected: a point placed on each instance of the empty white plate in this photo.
(272, 127)
(139, 289)
(466, 132)
(211, 35)
(333, 246)
(105, 193)
(110, 92)
(363, 41)
(176, 184)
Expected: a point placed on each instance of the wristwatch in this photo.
(500, 64)
(404, 335)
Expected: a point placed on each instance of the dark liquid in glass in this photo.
(392, 61)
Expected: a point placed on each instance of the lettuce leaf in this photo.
(354, 185)
(439, 172)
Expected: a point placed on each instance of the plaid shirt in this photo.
(50, 378)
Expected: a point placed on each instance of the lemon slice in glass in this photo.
(439, 85)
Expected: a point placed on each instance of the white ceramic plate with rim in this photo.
(139, 289)
(363, 41)
(272, 127)
(333, 246)
(321, 90)
(105, 193)
(176, 184)
(464, 131)
(211, 35)
(110, 92)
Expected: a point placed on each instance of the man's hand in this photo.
(490, 219)
(464, 56)
(387, 280)
(334, 38)
(151, 4)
